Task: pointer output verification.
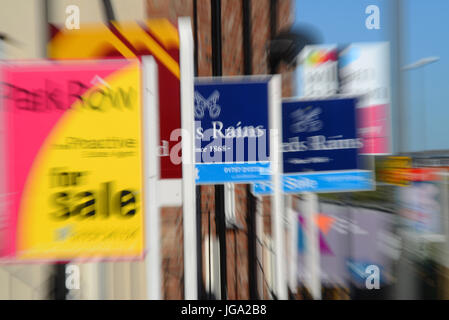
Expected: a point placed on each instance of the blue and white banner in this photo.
(249, 172)
(321, 182)
(231, 129)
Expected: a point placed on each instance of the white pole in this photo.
(278, 197)
(151, 165)
(259, 239)
(293, 247)
(188, 159)
(313, 272)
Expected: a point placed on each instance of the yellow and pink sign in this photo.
(72, 153)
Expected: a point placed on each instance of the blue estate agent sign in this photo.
(320, 148)
(231, 130)
(320, 135)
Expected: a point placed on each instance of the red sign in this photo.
(422, 174)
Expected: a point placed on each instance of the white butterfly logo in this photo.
(306, 120)
(202, 104)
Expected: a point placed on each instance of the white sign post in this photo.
(152, 221)
(312, 261)
(188, 158)
(153, 201)
(278, 197)
(292, 217)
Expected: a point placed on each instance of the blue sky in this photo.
(424, 32)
